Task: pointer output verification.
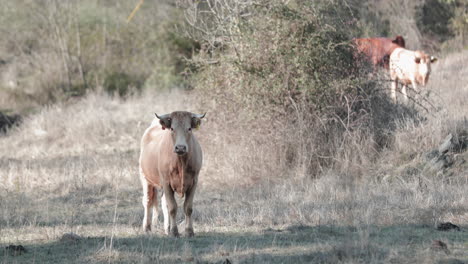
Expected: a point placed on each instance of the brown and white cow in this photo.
(378, 50)
(409, 67)
(171, 159)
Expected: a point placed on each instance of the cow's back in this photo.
(377, 50)
(402, 64)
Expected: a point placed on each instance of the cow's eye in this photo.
(190, 129)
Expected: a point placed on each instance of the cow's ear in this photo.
(164, 120)
(165, 123)
(195, 123)
(400, 41)
(417, 60)
(196, 120)
(433, 59)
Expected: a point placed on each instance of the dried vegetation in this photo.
(306, 158)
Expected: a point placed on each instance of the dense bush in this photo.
(444, 21)
(433, 18)
(121, 84)
(288, 72)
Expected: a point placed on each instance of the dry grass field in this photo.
(72, 168)
(283, 181)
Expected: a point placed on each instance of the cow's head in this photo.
(400, 41)
(181, 125)
(423, 66)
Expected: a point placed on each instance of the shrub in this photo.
(433, 18)
(120, 83)
(287, 72)
(87, 44)
(444, 22)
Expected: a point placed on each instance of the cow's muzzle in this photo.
(180, 149)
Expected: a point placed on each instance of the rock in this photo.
(70, 237)
(15, 250)
(438, 245)
(447, 226)
(7, 121)
(443, 157)
(461, 141)
(456, 143)
(432, 155)
(450, 261)
(440, 162)
(459, 160)
(446, 145)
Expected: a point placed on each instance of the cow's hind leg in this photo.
(148, 196)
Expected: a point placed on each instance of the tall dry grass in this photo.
(73, 168)
(249, 145)
(95, 125)
(76, 145)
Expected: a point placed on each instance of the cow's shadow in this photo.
(387, 115)
(296, 243)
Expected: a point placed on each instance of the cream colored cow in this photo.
(171, 159)
(409, 67)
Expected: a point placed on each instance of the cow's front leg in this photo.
(403, 91)
(393, 90)
(154, 218)
(165, 214)
(415, 86)
(188, 209)
(171, 207)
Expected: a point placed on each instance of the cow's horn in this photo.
(162, 116)
(199, 116)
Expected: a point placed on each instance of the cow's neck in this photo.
(183, 167)
(182, 161)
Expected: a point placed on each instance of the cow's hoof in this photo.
(175, 235)
(174, 232)
(189, 233)
(147, 228)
